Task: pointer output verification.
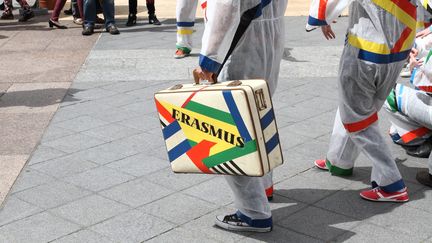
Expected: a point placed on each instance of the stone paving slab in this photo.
(101, 172)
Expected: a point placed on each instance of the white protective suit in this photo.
(411, 109)
(185, 17)
(257, 55)
(379, 38)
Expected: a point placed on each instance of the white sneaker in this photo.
(234, 223)
(406, 72)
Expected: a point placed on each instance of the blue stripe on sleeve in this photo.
(316, 22)
(208, 64)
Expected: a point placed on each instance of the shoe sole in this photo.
(242, 228)
(180, 57)
(384, 199)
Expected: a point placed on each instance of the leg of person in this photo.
(109, 13)
(53, 21)
(27, 12)
(89, 16)
(151, 12)
(409, 111)
(185, 17)
(362, 94)
(342, 151)
(253, 207)
(268, 185)
(7, 13)
(132, 12)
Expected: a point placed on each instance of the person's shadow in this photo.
(327, 215)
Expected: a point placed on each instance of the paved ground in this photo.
(100, 173)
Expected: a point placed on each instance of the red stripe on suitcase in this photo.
(164, 112)
(200, 152)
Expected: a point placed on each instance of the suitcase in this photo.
(226, 128)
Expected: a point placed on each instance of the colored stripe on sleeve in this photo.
(208, 64)
(316, 22)
(322, 9)
(357, 126)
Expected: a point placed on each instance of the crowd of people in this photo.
(85, 13)
(245, 39)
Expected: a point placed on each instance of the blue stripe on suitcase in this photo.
(179, 150)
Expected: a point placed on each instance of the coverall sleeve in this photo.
(223, 17)
(322, 12)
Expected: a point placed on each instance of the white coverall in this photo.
(257, 55)
(185, 17)
(379, 38)
(411, 109)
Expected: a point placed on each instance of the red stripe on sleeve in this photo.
(322, 10)
(164, 112)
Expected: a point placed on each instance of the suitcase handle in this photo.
(197, 78)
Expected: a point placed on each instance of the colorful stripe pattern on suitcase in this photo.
(212, 136)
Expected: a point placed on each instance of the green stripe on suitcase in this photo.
(210, 112)
(230, 154)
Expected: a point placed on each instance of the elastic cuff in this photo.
(334, 170)
(208, 64)
(394, 187)
(184, 49)
(316, 22)
(185, 24)
(258, 223)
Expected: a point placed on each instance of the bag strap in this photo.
(245, 21)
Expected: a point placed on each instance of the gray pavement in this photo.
(100, 173)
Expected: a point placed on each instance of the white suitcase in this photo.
(226, 128)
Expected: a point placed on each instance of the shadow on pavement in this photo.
(332, 217)
(38, 98)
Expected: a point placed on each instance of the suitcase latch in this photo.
(177, 86)
(235, 83)
(260, 99)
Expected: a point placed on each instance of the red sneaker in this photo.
(321, 164)
(378, 195)
(269, 193)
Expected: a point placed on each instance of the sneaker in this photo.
(406, 72)
(7, 16)
(424, 177)
(180, 53)
(27, 14)
(154, 20)
(321, 164)
(112, 29)
(269, 193)
(78, 21)
(378, 195)
(88, 30)
(234, 223)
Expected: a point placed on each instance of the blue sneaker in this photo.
(233, 222)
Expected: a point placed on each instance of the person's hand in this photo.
(328, 32)
(414, 52)
(202, 74)
(414, 62)
(423, 33)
